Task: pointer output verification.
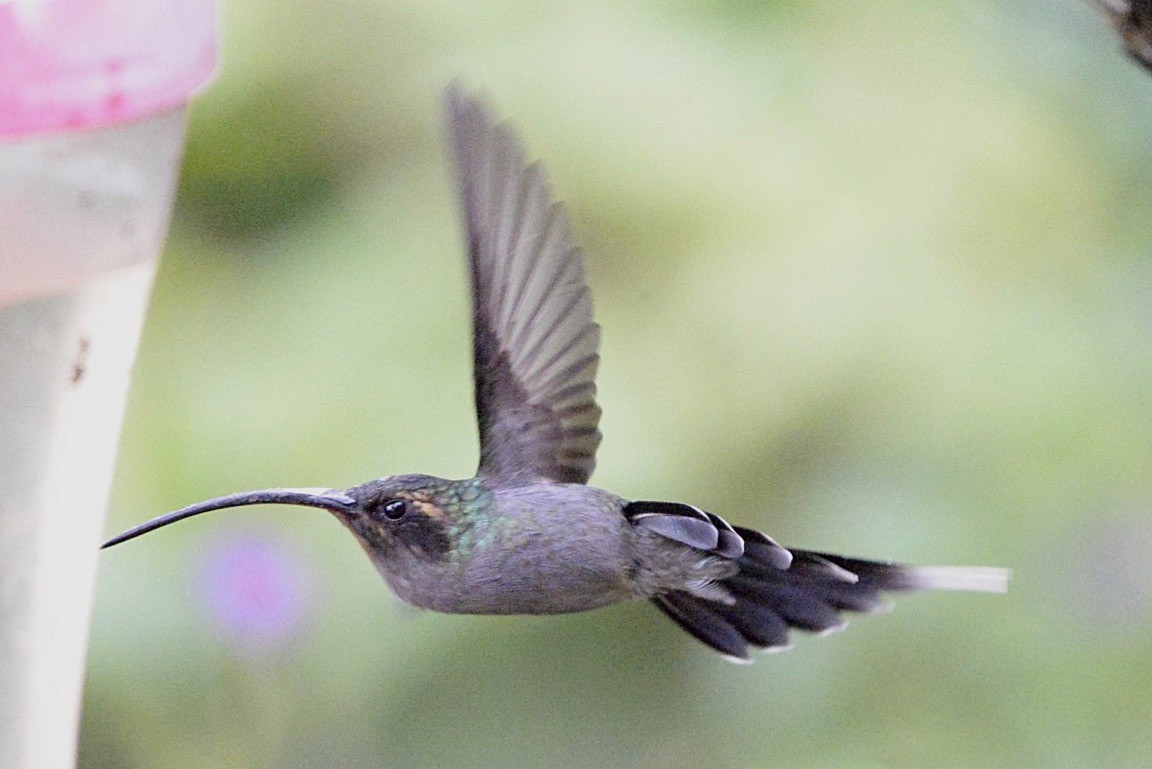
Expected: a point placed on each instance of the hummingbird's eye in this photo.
(395, 509)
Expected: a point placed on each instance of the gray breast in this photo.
(547, 549)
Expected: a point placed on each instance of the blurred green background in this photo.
(873, 277)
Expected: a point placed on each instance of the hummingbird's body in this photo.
(472, 550)
(526, 535)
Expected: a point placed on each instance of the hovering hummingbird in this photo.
(527, 535)
(1133, 22)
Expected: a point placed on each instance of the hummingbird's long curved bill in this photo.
(327, 499)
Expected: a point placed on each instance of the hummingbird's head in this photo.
(401, 514)
(413, 515)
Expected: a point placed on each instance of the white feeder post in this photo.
(92, 115)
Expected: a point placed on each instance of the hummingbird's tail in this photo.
(768, 597)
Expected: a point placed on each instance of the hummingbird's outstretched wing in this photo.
(534, 342)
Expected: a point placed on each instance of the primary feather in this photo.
(534, 342)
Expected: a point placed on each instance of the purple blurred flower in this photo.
(252, 590)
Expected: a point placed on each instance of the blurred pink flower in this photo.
(253, 590)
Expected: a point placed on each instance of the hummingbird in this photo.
(527, 534)
(1133, 22)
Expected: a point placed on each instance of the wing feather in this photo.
(535, 345)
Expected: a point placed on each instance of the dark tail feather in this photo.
(808, 594)
(705, 622)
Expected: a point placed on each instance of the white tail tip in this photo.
(975, 579)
